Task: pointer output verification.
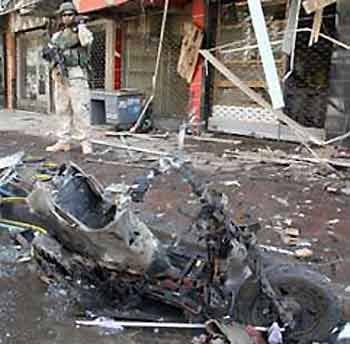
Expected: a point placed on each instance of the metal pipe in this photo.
(116, 324)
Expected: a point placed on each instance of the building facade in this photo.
(127, 35)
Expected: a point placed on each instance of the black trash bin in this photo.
(98, 112)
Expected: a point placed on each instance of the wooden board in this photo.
(314, 5)
(188, 59)
(274, 88)
(316, 27)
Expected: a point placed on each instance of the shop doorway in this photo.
(33, 80)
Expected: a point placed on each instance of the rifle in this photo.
(81, 19)
(54, 55)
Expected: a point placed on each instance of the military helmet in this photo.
(66, 7)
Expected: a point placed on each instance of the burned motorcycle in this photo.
(227, 276)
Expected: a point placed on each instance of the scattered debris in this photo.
(232, 183)
(290, 236)
(275, 334)
(303, 253)
(345, 191)
(216, 140)
(288, 222)
(334, 236)
(231, 333)
(181, 137)
(333, 222)
(149, 137)
(266, 157)
(293, 232)
(280, 200)
(129, 152)
(136, 149)
(202, 339)
(116, 163)
(255, 334)
(117, 189)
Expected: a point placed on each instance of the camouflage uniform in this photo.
(72, 94)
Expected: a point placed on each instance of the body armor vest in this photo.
(74, 53)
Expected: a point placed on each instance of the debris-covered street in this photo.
(302, 208)
(174, 171)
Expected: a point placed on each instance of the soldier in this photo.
(72, 93)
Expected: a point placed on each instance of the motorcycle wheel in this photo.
(315, 308)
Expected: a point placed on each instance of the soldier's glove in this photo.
(46, 53)
(85, 35)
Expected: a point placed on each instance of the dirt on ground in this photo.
(308, 198)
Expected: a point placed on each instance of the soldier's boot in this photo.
(86, 147)
(59, 147)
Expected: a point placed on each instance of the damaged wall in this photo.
(232, 110)
(338, 115)
(306, 89)
(234, 25)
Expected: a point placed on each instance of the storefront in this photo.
(33, 77)
(136, 39)
(32, 82)
(140, 45)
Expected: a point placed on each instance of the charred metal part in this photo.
(139, 189)
(85, 222)
(204, 284)
(225, 238)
